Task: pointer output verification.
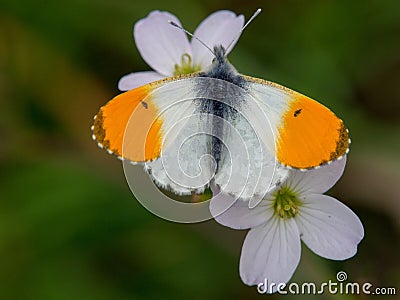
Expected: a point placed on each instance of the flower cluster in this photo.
(296, 210)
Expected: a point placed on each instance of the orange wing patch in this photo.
(134, 115)
(310, 135)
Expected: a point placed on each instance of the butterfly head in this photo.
(219, 54)
(221, 68)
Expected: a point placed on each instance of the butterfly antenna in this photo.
(191, 34)
(256, 13)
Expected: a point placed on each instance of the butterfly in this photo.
(240, 133)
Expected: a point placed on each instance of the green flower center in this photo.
(186, 66)
(286, 203)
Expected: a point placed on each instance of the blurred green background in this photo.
(69, 226)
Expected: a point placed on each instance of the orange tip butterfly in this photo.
(218, 126)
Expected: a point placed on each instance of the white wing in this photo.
(307, 134)
(247, 168)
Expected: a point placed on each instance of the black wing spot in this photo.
(144, 104)
(297, 112)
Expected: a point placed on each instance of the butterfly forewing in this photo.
(307, 134)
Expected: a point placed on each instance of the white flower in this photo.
(168, 51)
(296, 211)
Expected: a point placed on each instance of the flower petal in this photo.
(328, 227)
(219, 28)
(316, 180)
(137, 79)
(235, 213)
(270, 253)
(161, 44)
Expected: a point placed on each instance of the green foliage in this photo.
(70, 228)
